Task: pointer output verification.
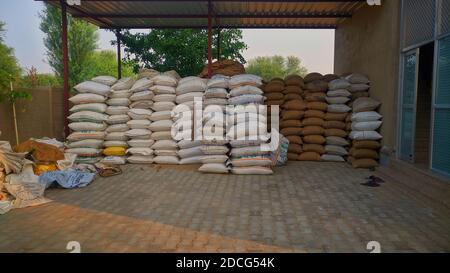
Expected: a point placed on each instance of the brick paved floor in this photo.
(304, 207)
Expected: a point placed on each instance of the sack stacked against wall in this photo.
(88, 120)
(248, 126)
(139, 134)
(316, 107)
(224, 67)
(338, 99)
(164, 147)
(214, 146)
(366, 140)
(292, 112)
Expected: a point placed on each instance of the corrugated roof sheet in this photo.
(226, 13)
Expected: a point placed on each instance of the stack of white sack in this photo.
(365, 136)
(164, 147)
(338, 98)
(140, 151)
(115, 139)
(88, 119)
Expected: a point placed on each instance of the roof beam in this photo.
(228, 27)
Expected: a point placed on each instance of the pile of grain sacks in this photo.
(365, 123)
(88, 119)
(214, 145)
(248, 126)
(334, 124)
(164, 147)
(313, 123)
(140, 112)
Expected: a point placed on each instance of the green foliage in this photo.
(9, 70)
(82, 39)
(183, 50)
(276, 66)
(104, 62)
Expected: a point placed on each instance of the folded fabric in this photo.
(66, 179)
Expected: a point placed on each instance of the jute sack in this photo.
(332, 158)
(338, 108)
(294, 80)
(295, 140)
(334, 124)
(314, 139)
(295, 148)
(316, 148)
(359, 87)
(287, 115)
(365, 105)
(366, 125)
(336, 150)
(94, 107)
(142, 104)
(366, 144)
(365, 116)
(313, 130)
(274, 96)
(316, 96)
(275, 102)
(107, 80)
(309, 156)
(289, 97)
(93, 88)
(317, 86)
(364, 163)
(337, 141)
(87, 98)
(357, 78)
(364, 153)
(292, 131)
(314, 114)
(321, 106)
(293, 90)
(313, 122)
(298, 105)
(292, 156)
(335, 116)
(335, 132)
(256, 170)
(361, 94)
(314, 76)
(330, 77)
(290, 123)
(274, 86)
(339, 84)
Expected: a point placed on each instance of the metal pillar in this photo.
(119, 57)
(209, 39)
(218, 43)
(65, 65)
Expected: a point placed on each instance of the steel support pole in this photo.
(218, 43)
(209, 39)
(119, 55)
(65, 52)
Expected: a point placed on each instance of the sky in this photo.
(314, 47)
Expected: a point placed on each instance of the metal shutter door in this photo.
(418, 21)
(441, 132)
(444, 17)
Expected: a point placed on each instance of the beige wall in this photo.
(43, 116)
(369, 43)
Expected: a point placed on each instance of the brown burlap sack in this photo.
(224, 67)
(309, 156)
(286, 115)
(41, 152)
(295, 148)
(317, 86)
(293, 90)
(314, 148)
(348, 126)
(314, 114)
(289, 97)
(274, 96)
(366, 163)
(334, 124)
(335, 132)
(295, 140)
(364, 153)
(330, 77)
(314, 139)
(317, 105)
(292, 156)
(335, 116)
(274, 86)
(314, 76)
(316, 96)
(290, 123)
(313, 130)
(350, 159)
(298, 105)
(360, 94)
(294, 80)
(366, 144)
(275, 102)
(313, 122)
(291, 131)
(348, 118)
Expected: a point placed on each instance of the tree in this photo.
(183, 50)
(9, 71)
(82, 39)
(276, 66)
(104, 62)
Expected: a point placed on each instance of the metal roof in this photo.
(226, 13)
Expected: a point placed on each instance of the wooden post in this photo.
(218, 43)
(119, 57)
(209, 39)
(66, 66)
